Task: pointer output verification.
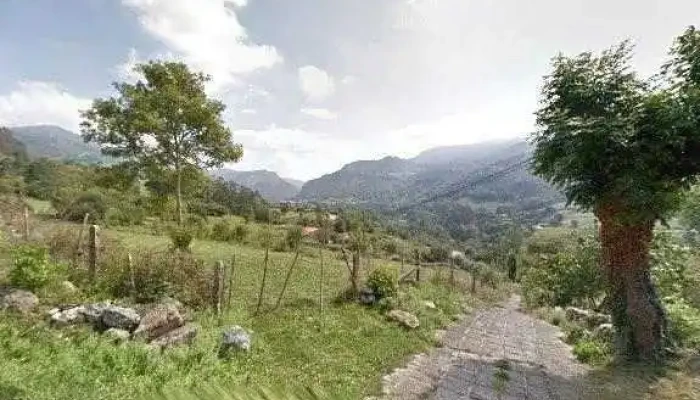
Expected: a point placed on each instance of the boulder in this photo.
(120, 318)
(235, 338)
(604, 332)
(67, 316)
(92, 313)
(117, 335)
(182, 335)
(159, 321)
(404, 318)
(589, 318)
(68, 287)
(367, 296)
(18, 300)
(429, 304)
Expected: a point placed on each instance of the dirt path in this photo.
(501, 354)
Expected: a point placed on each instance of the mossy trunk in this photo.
(637, 314)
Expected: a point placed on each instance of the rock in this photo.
(586, 317)
(120, 318)
(159, 321)
(117, 335)
(93, 313)
(68, 287)
(18, 300)
(604, 332)
(235, 338)
(367, 296)
(69, 316)
(404, 318)
(430, 305)
(182, 335)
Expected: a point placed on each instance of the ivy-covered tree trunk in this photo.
(639, 319)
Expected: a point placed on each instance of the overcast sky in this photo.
(313, 84)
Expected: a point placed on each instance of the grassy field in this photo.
(343, 351)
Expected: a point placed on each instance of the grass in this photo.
(344, 351)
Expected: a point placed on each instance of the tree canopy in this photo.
(163, 121)
(609, 137)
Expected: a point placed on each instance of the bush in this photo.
(684, 321)
(92, 203)
(198, 226)
(569, 277)
(181, 238)
(155, 275)
(240, 233)
(591, 351)
(222, 231)
(384, 282)
(31, 268)
(293, 237)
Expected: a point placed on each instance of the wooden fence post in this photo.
(93, 249)
(218, 286)
(25, 225)
(79, 244)
(418, 269)
(130, 266)
(230, 282)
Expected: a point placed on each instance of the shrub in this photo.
(31, 268)
(240, 233)
(155, 275)
(684, 321)
(490, 277)
(591, 351)
(293, 237)
(384, 282)
(198, 226)
(222, 231)
(569, 277)
(181, 238)
(92, 203)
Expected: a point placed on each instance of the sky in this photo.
(311, 85)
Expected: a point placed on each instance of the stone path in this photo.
(501, 354)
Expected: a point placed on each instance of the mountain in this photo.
(10, 146)
(469, 195)
(48, 141)
(294, 182)
(267, 183)
(394, 180)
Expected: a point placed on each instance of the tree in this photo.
(165, 121)
(624, 148)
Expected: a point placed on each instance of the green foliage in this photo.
(154, 275)
(32, 269)
(690, 210)
(164, 122)
(569, 277)
(384, 281)
(181, 238)
(684, 322)
(92, 202)
(669, 262)
(614, 138)
(293, 237)
(590, 351)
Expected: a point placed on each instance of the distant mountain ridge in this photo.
(49, 141)
(267, 183)
(393, 180)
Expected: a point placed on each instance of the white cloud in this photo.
(320, 113)
(293, 152)
(207, 35)
(248, 111)
(34, 102)
(316, 84)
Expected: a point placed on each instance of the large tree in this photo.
(627, 149)
(165, 121)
